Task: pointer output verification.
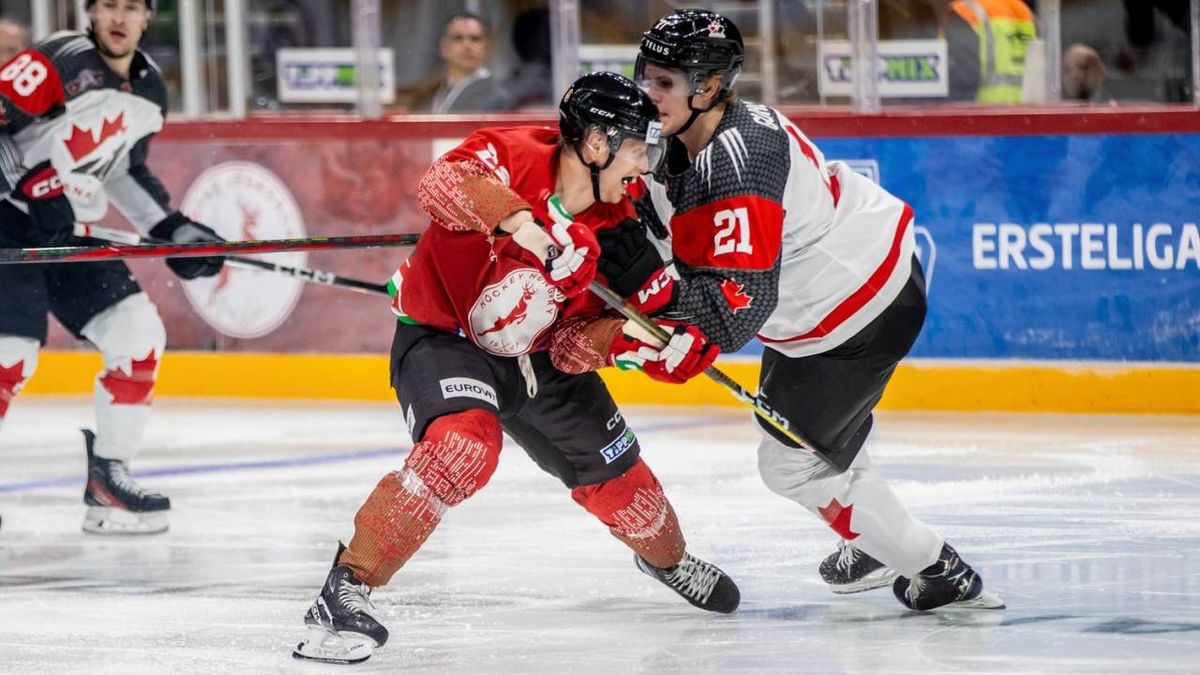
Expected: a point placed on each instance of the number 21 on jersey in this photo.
(733, 232)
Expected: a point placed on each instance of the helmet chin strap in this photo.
(595, 170)
(696, 111)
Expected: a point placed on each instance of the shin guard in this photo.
(454, 460)
(637, 512)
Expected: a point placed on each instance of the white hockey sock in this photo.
(857, 504)
(131, 338)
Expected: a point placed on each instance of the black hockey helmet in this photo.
(699, 42)
(616, 106)
(149, 4)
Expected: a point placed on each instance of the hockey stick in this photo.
(304, 274)
(763, 410)
(61, 254)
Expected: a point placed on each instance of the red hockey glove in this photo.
(568, 252)
(687, 355)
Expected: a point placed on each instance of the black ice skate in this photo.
(341, 628)
(700, 583)
(116, 503)
(849, 570)
(948, 583)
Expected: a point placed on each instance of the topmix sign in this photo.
(906, 69)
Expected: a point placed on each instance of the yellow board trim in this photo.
(918, 384)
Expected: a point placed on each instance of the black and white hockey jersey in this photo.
(770, 241)
(60, 102)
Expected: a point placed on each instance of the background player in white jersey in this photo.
(78, 115)
(818, 262)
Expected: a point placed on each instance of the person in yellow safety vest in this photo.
(986, 43)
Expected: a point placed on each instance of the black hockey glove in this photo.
(53, 219)
(627, 258)
(179, 229)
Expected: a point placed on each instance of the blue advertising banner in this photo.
(1050, 247)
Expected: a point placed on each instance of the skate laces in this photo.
(847, 556)
(916, 586)
(118, 475)
(694, 578)
(356, 597)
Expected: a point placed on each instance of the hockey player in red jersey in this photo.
(78, 113)
(818, 262)
(497, 332)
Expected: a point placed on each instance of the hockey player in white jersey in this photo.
(769, 240)
(78, 113)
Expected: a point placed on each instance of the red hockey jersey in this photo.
(461, 277)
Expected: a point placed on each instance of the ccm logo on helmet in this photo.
(602, 113)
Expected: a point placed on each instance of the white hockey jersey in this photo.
(771, 241)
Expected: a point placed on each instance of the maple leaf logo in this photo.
(735, 295)
(838, 517)
(82, 142)
(10, 384)
(134, 387)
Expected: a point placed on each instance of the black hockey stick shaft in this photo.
(739, 392)
(201, 249)
(302, 273)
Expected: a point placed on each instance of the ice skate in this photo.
(702, 584)
(849, 570)
(116, 503)
(341, 628)
(948, 583)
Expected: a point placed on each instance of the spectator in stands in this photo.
(14, 38)
(465, 84)
(986, 41)
(1083, 75)
(532, 83)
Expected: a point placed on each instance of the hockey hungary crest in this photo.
(242, 200)
(512, 314)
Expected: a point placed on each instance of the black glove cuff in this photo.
(627, 276)
(165, 229)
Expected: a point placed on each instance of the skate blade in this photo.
(867, 583)
(325, 647)
(985, 600)
(108, 520)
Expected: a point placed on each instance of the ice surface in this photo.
(1088, 526)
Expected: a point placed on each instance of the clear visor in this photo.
(645, 157)
(652, 78)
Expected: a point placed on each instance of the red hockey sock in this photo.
(455, 459)
(637, 512)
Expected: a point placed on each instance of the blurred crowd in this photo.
(470, 55)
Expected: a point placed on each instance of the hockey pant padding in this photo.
(857, 504)
(453, 461)
(131, 338)
(18, 360)
(637, 512)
